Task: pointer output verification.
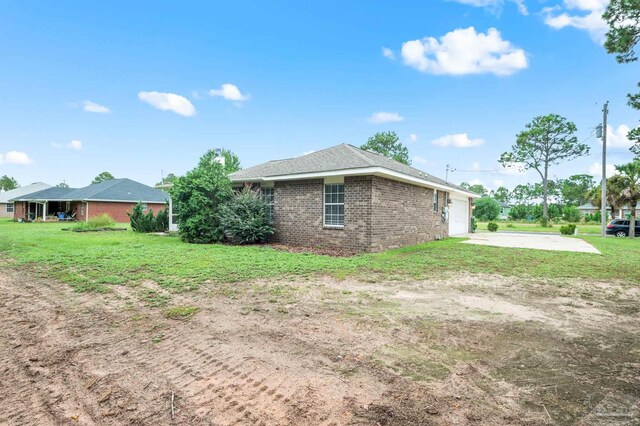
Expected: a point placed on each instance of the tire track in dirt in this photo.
(93, 365)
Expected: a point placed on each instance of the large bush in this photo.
(197, 197)
(245, 218)
(145, 222)
(571, 214)
(486, 209)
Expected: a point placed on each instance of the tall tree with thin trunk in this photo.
(623, 18)
(546, 141)
(630, 172)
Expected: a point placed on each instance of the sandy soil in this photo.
(469, 350)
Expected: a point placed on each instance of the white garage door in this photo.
(459, 217)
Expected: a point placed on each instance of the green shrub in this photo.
(245, 218)
(98, 222)
(474, 224)
(571, 214)
(162, 220)
(492, 226)
(197, 197)
(568, 229)
(486, 208)
(145, 222)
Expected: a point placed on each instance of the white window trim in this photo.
(325, 204)
(13, 207)
(435, 201)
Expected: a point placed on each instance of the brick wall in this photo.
(298, 214)
(379, 214)
(20, 210)
(118, 211)
(403, 215)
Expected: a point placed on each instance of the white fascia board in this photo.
(84, 200)
(124, 201)
(376, 171)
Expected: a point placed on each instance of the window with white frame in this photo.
(268, 196)
(10, 207)
(144, 207)
(334, 205)
(435, 200)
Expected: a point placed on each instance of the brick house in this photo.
(346, 197)
(115, 197)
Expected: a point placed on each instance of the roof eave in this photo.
(376, 171)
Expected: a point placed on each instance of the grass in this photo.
(181, 312)
(96, 261)
(583, 228)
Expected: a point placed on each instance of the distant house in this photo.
(349, 198)
(115, 197)
(620, 213)
(504, 211)
(7, 208)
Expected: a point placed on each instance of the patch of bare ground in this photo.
(460, 350)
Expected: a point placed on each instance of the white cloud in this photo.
(584, 15)
(617, 138)
(14, 157)
(475, 182)
(168, 102)
(74, 144)
(230, 92)
(89, 106)
(385, 117)
(497, 183)
(413, 137)
(388, 53)
(459, 140)
(465, 51)
(475, 166)
(421, 160)
(596, 170)
(495, 5)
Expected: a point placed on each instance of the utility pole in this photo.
(603, 202)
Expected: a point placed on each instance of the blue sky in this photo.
(137, 88)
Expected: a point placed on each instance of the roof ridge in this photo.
(356, 151)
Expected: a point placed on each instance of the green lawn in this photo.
(583, 228)
(95, 261)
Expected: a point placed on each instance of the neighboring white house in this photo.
(7, 208)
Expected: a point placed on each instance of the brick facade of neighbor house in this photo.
(20, 210)
(118, 211)
(379, 214)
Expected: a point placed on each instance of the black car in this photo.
(620, 227)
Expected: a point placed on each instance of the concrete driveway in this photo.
(531, 241)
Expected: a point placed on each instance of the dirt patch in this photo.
(472, 350)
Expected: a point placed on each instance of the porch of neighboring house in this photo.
(50, 211)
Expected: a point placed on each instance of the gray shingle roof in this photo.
(339, 157)
(23, 190)
(110, 190)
